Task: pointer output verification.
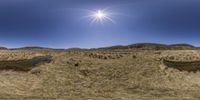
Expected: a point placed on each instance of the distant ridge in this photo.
(34, 47)
(137, 46)
(3, 48)
(154, 46)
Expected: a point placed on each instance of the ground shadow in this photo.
(25, 64)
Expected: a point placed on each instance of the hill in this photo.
(154, 46)
(3, 48)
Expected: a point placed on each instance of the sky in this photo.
(65, 23)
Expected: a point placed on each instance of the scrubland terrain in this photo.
(102, 74)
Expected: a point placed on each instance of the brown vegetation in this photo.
(100, 74)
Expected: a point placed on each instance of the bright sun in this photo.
(100, 16)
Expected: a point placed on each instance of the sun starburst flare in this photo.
(100, 16)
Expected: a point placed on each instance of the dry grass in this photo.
(87, 75)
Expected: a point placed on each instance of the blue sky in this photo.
(61, 23)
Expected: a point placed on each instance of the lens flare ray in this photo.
(100, 16)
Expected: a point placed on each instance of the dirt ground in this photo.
(94, 74)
